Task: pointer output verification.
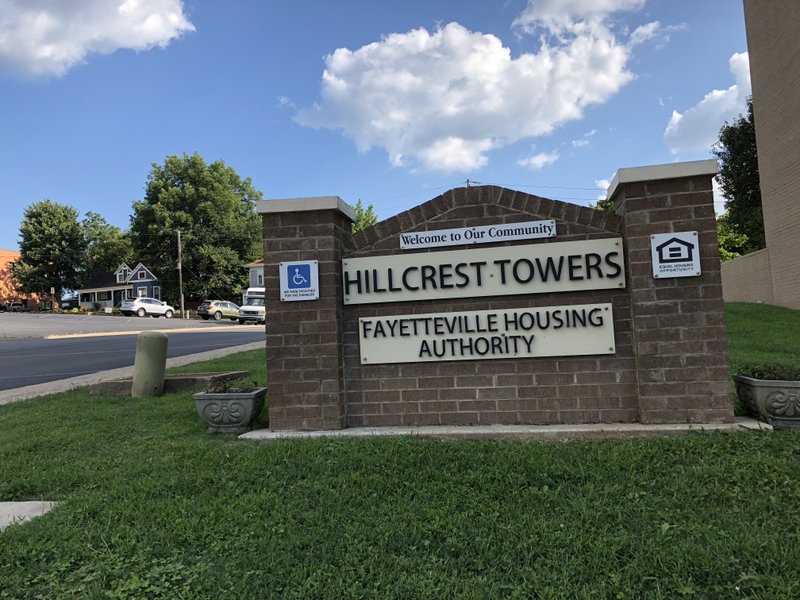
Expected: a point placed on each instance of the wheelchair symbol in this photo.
(298, 279)
(298, 276)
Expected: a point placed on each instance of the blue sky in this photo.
(389, 102)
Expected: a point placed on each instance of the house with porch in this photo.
(110, 289)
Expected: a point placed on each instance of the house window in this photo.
(141, 291)
(157, 292)
(260, 280)
(142, 274)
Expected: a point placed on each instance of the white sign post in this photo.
(675, 254)
(299, 280)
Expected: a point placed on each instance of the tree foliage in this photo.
(51, 249)
(732, 242)
(214, 209)
(737, 156)
(365, 217)
(107, 246)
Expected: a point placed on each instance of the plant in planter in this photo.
(230, 406)
(771, 393)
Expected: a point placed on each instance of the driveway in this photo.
(16, 326)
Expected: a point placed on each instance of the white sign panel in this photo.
(577, 330)
(675, 254)
(529, 269)
(299, 280)
(485, 234)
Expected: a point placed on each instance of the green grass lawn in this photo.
(154, 507)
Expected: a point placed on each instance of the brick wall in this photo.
(774, 52)
(304, 339)
(519, 391)
(678, 323)
(748, 278)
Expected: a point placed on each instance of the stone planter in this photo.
(230, 412)
(775, 401)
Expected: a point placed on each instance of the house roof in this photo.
(101, 279)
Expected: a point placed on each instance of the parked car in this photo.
(17, 307)
(217, 310)
(146, 306)
(253, 311)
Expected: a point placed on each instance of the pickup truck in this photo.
(17, 307)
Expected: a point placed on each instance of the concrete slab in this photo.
(17, 512)
(518, 432)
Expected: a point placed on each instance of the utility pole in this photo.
(180, 274)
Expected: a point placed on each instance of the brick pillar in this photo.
(304, 339)
(678, 323)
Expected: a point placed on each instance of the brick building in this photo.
(772, 275)
(8, 285)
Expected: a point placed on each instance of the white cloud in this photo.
(602, 183)
(49, 37)
(441, 100)
(698, 127)
(563, 14)
(654, 32)
(537, 161)
(579, 143)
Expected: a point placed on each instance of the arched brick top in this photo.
(483, 205)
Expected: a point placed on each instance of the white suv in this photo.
(252, 311)
(146, 306)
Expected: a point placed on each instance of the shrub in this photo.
(773, 372)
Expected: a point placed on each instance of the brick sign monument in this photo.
(491, 306)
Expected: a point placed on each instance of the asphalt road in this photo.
(25, 362)
(41, 348)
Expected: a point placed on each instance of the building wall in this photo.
(774, 49)
(8, 285)
(748, 278)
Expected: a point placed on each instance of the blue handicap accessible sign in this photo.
(298, 276)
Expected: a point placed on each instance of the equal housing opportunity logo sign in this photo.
(675, 254)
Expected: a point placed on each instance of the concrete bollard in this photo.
(148, 368)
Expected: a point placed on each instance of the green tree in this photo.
(107, 246)
(365, 217)
(737, 156)
(214, 209)
(51, 249)
(731, 241)
(605, 205)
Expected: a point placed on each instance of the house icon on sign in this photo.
(675, 250)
